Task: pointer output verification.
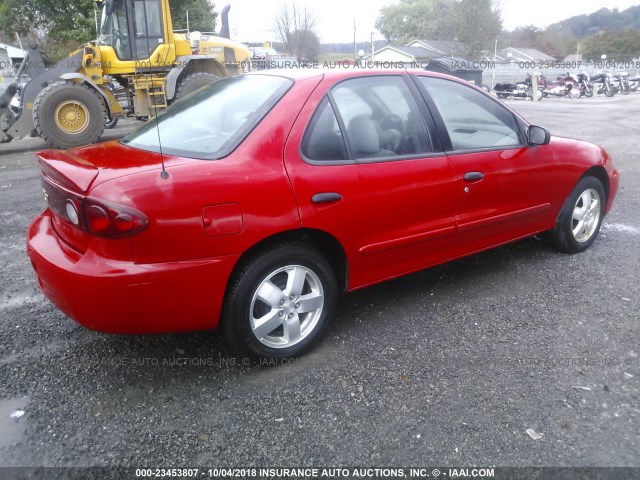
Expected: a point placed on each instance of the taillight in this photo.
(109, 219)
(98, 217)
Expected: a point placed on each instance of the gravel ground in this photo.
(450, 366)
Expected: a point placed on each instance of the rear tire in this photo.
(110, 123)
(580, 218)
(194, 81)
(68, 115)
(280, 302)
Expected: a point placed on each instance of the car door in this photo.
(503, 184)
(366, 169)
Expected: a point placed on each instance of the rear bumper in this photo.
(123, 297)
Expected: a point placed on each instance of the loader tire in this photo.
(68, 115)
(192, 82)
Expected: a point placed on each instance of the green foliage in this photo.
(473, 23)
(53, 23)
(408, 20)
(582, 26)
(201, 15)
(306, 45)
(552, 41)
(478, 24)
(618, 45)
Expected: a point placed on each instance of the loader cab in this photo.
(134, 28)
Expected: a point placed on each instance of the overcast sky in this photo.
(253, 20)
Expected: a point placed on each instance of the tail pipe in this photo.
(224, 19)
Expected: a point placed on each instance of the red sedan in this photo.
(254, 202)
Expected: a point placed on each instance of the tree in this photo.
(409, 20)
(478, 25)
(621, 46)
(201, 15)
(552, 40)
(473, 23)
(295, 28)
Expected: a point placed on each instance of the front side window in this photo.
(211, 122)
(381, 118)
(473, 121)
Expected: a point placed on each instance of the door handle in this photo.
(473, 176)
(326, 197)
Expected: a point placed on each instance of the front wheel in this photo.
(68, 114)
(575, 93)
(609, 91)
(579, 221)
(280, 302)
(588, 91)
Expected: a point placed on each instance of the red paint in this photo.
(393, 218)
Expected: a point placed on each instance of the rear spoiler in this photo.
(67, 170)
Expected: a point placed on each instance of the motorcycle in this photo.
(603, 83)
(634, 83)
(584, 84)
(621, 82)
(521, 89)
(565, 86)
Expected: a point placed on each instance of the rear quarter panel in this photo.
(253, 177)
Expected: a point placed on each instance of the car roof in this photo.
(338, 73)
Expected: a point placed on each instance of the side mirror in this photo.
(538, 135)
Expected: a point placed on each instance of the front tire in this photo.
(279, 302)
(609, 91)
(579, 221)
(68, 114)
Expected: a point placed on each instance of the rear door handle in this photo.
(326, 197)
(473, 176)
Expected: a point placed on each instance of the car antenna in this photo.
(163, 173)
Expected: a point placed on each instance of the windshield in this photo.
(211, 122)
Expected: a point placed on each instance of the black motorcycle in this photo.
(521, 89)
(603, 83)
(583, 83)
(621, 82)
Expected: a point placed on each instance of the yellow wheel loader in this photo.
(137, 50)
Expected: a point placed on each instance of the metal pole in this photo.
(187, 22)
(493, 72)
(372, 48)
(355, 48)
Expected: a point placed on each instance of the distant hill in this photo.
(582, 26)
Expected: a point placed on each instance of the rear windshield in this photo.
(211, 122)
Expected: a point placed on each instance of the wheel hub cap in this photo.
(586, 215)
(71, 117)
(286, 306)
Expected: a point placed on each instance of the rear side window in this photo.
(323, 140)
(473, 121)
(211, 122)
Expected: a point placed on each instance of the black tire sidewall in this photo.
(46, 104)
(567, 214)
(237, 311)
(192, 82)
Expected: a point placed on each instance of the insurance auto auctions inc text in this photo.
(353, 473)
